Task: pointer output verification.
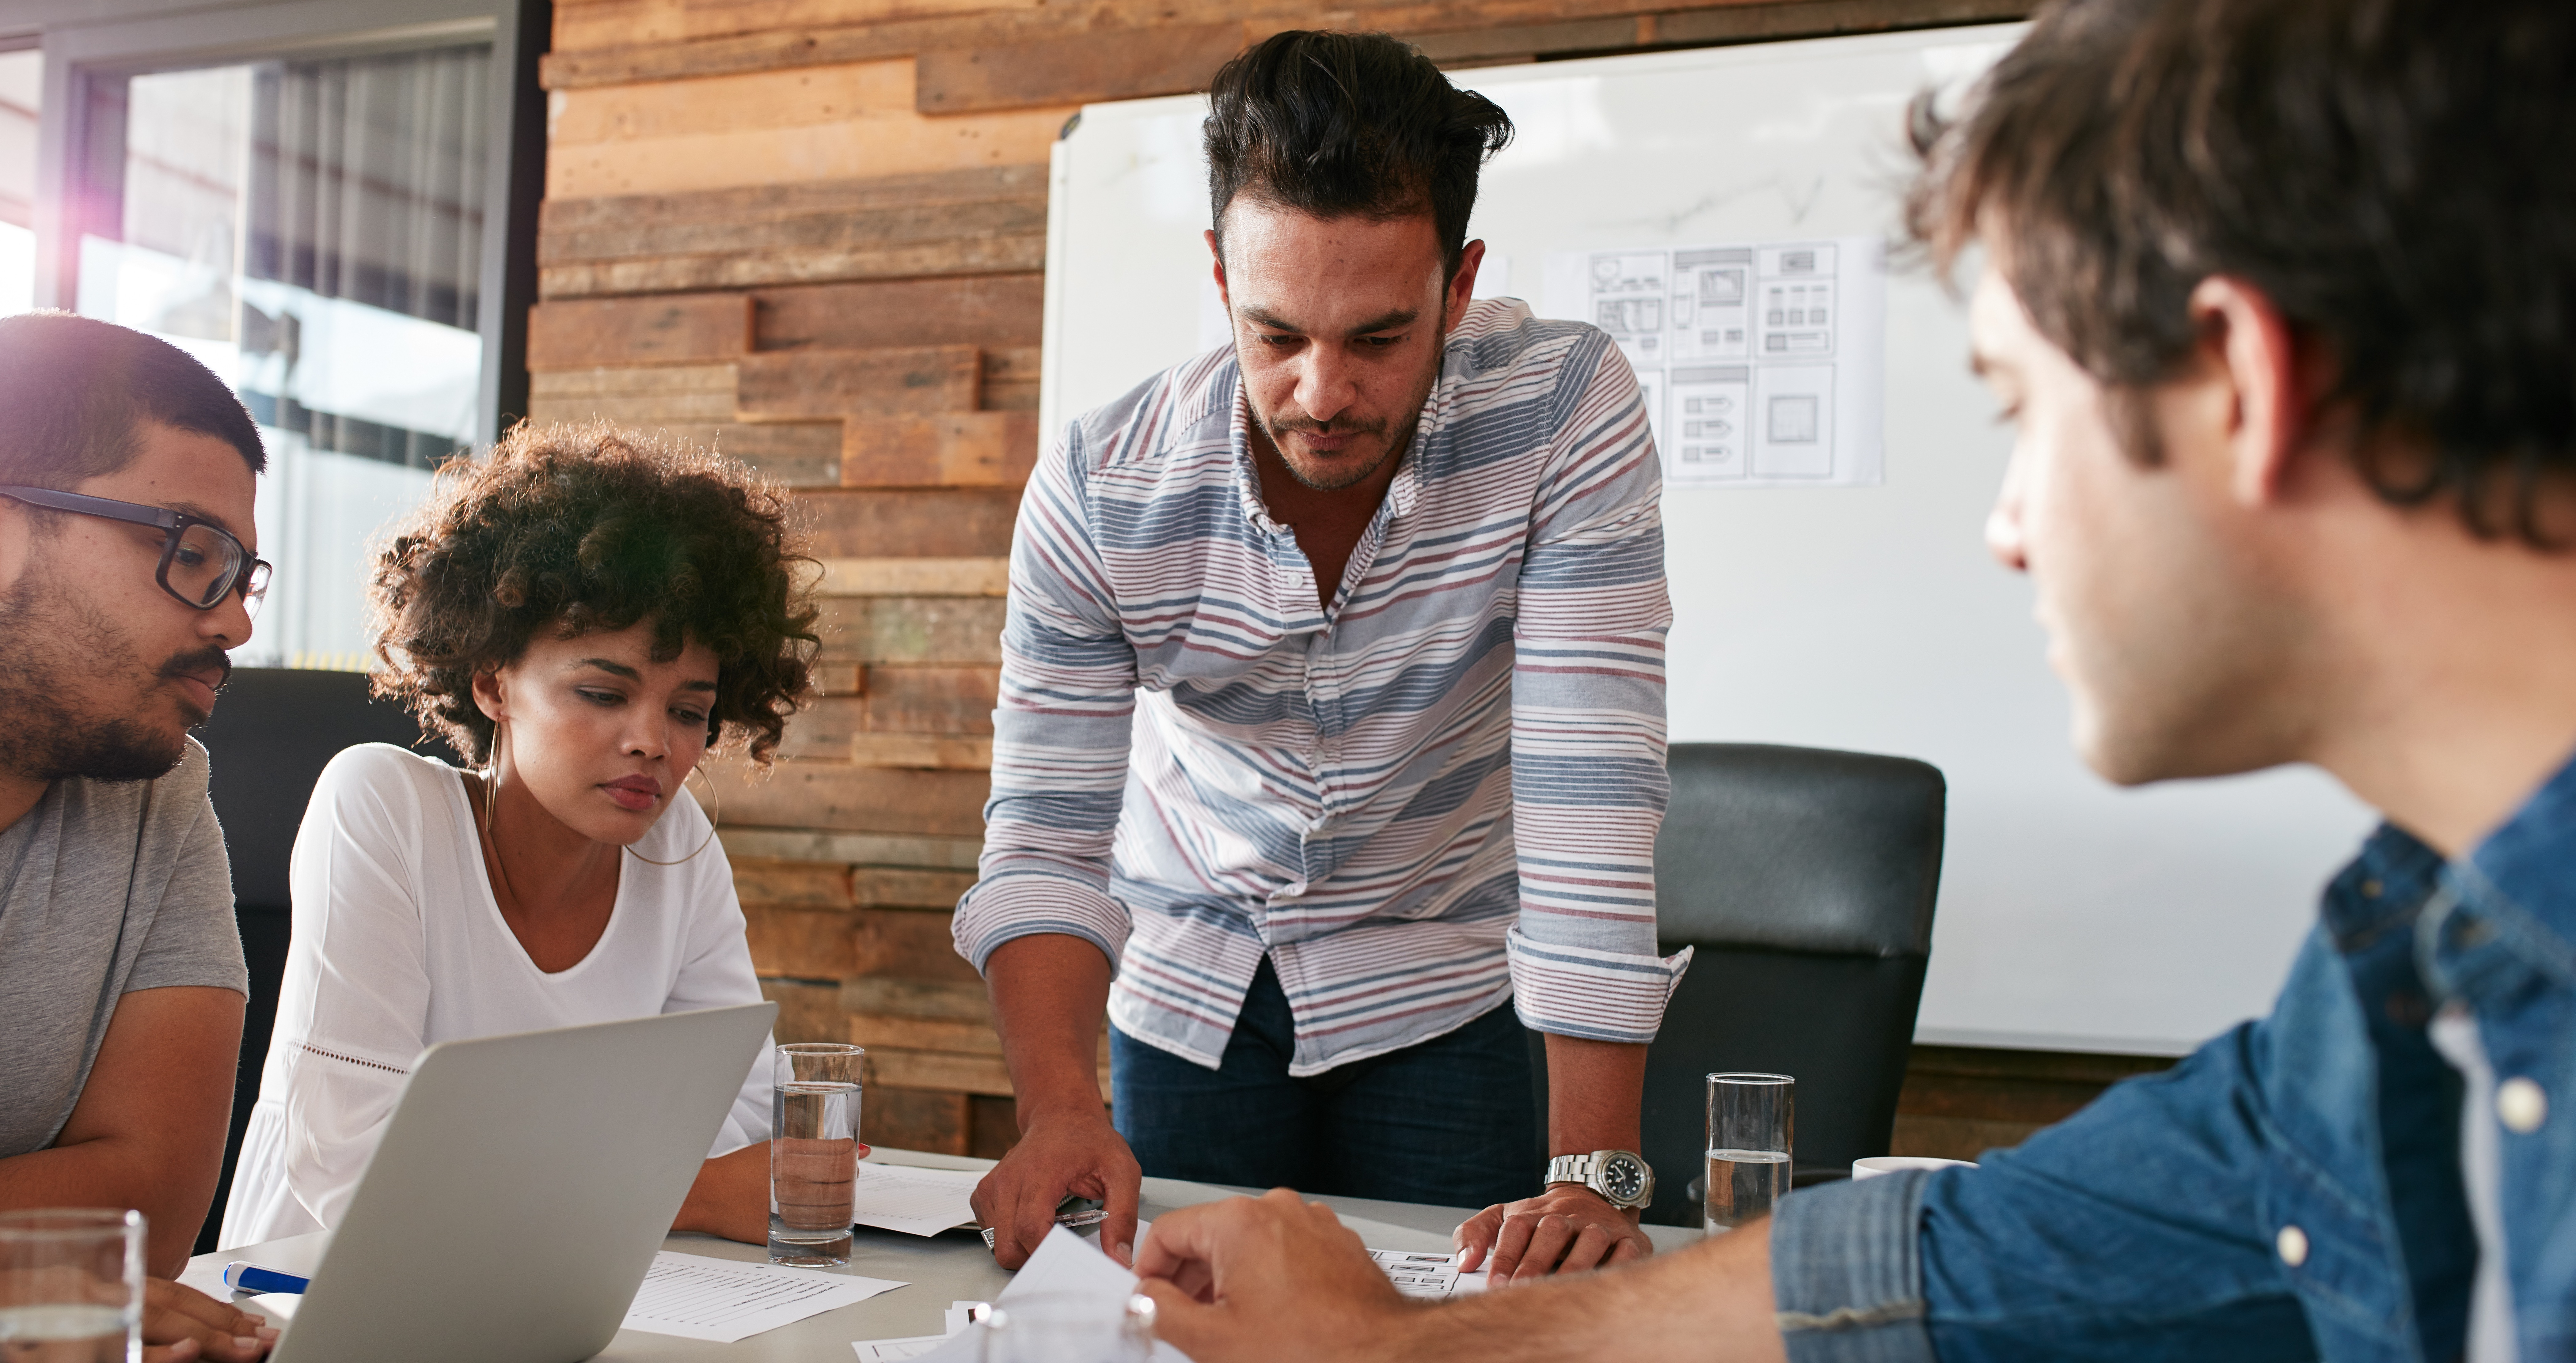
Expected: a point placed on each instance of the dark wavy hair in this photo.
(581, 528)
(1349, 125)
(2382, 170)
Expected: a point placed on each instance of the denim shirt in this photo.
(2292, 1190)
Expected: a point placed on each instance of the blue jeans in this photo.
(1449, 1121)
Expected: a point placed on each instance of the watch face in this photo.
(1623, 1177)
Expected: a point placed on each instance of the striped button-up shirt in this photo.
(1438, 793)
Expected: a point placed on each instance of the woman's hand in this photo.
(182, 1323)
(731, 1196)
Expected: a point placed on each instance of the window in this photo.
(22, 76)
(314, 199)
(313, 231)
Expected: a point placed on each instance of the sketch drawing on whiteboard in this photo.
(1760, 361)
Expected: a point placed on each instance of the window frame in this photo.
(92, 47)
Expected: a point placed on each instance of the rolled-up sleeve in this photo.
(1060, 733)
(1846, 1276)
(1588, 781)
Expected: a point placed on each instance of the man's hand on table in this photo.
(1061, 1151)
(1565, 1228)
(1269, 1277)
(182, 1323)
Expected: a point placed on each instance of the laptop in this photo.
(521, 1190)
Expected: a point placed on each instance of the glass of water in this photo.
(71, 1286)
(1046, 1327)
(1752, 1120)
(813, 1152)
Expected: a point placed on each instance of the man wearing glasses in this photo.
(126, 572)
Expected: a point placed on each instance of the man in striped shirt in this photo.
(1332, 713)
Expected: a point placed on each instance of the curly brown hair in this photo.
(587, 527)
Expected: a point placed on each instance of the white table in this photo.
(940, 1269)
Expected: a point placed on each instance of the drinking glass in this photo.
(1049, 1327)
(1751, 1121)
(813, 1152)
(71, 1286)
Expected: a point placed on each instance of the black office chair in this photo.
(1805, 878)
(272, 733)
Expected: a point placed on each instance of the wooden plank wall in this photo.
(811, 234)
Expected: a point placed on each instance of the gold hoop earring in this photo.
(492, 777)
(711, 809)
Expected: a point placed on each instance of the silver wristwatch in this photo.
(1620, 1176)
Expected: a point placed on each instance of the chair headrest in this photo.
(1800, 849)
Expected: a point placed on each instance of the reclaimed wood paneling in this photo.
(925, 700)
(693, 329)
(908, 707)
(808, 1010)
(916, 998)
(976, 310)
(1542, 27)
(938, 751)
(840, 796)
(793, 385)
(634, 396)
(917, 1119)
(911, 629)
(987, 254)
(583, 24)
(940, 523)
(794, 884)
(799, 454)
(1076, 68)
(894, 887)
(974, 449)
(992, 1125)
(1011, 379)
(834, 144)
(791, 843)
(1825, 18)
(835, 729)
(988, 220)
(916, 576)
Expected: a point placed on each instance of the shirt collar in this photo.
(2529, 864)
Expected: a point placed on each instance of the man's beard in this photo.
(1276, 427)
(57, 652)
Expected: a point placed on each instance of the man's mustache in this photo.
(199, 660)
(1306, 425)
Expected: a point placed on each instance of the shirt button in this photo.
(2521, 1105)
(2370, 889)
(2293, 1244)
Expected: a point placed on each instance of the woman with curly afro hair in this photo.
(586, 614)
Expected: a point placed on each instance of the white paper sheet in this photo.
(914, 1201)
(1428, 1276)
(1761, 363)
(1065, 1264)
(897, 1350)
(721, 1300)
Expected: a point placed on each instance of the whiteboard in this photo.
(2072, 915)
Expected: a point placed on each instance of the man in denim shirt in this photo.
(2282, 298)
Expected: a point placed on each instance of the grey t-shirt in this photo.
(104, 889)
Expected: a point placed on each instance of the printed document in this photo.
(1762, 363)
(915, 1201)
(723, 1300)
(1429, 1276)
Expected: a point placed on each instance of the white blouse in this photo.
(399, 945)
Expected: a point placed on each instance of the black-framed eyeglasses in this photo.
(201, 563)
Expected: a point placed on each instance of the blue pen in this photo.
(241, 1275)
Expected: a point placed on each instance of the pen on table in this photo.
(1092, 1216)
(241, 1275)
